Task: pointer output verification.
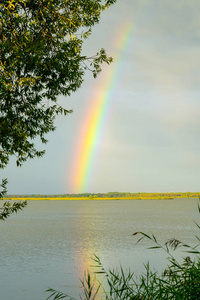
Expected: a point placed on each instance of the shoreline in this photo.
(86, 198)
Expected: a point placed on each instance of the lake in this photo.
(51, 243)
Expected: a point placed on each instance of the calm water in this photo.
(51, 243)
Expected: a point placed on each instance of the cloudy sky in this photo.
(150, 138)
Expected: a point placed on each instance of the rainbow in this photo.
(93, 127)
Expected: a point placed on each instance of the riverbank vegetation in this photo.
(178, 281)
(104, 196)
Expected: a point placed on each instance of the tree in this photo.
(40, 59)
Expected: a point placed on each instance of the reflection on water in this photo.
(51, 243)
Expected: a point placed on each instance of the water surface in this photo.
(51, 243)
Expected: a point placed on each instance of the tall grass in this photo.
(179, 281)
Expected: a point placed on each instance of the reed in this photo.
(179, 281)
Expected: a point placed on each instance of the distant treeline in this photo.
(114, 195)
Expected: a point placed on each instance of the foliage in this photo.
(89, 287)
(7, 209)
(40, 58)
(179, 281)
(3, 186)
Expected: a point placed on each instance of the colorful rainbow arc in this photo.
(93, 126)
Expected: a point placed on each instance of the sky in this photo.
(146, 124)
